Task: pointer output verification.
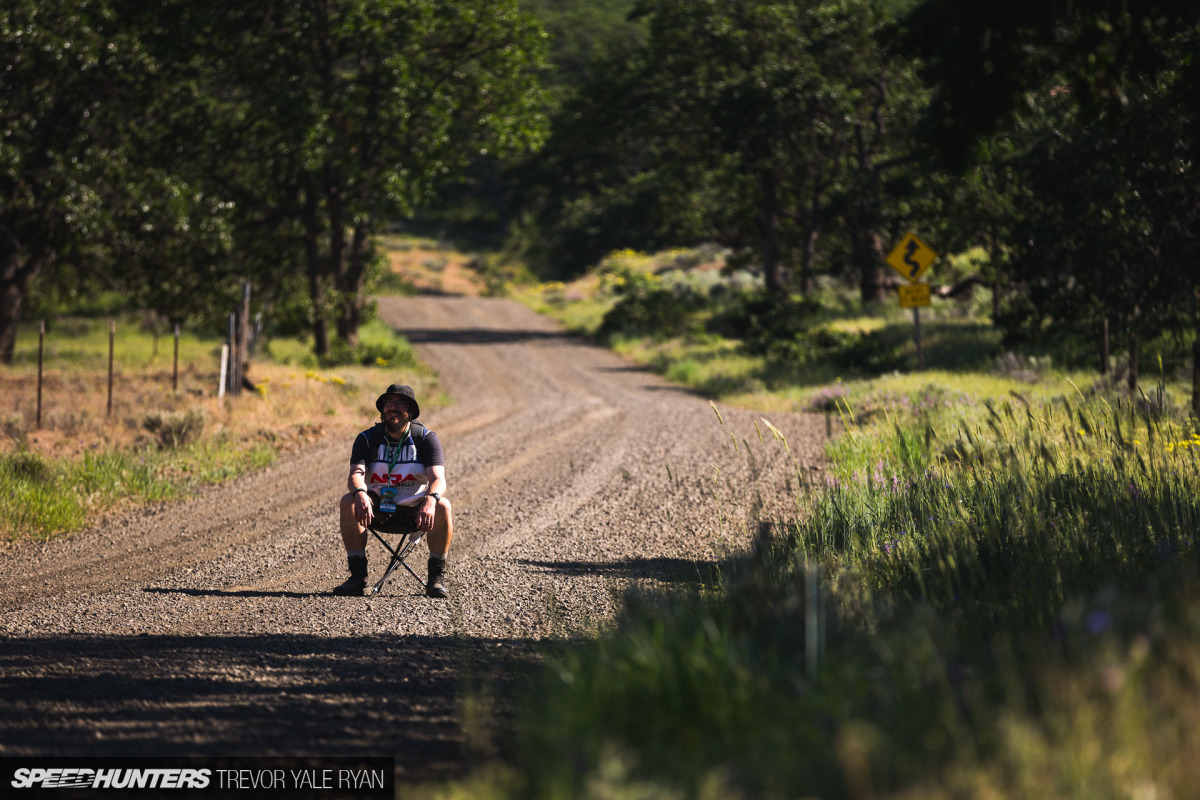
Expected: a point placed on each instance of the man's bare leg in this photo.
(354, 537)
(438, 540)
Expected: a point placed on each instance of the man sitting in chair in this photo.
(397, 479)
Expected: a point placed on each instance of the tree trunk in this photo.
(994, 263)
(337, 238)
(11, 298)
(351, 283)
(867, 252)
(1133, 362)
(1196, 356)
(769, 229)
(15, 278)
(1104, 346)
(1196, 376)
(316, 287)
(807, 258)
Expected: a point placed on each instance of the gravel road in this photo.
(206, 627)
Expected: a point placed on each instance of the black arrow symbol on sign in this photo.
(908, 258)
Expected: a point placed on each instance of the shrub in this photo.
(15, 428)
(828, 398)
(26, 466)
(174, 431)
(650, 306)
(762, 321)
(367, 354)
(1022, 368)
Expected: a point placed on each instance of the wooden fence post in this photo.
(112, 335)
(244, 336)
(232, 381)
(41, 348)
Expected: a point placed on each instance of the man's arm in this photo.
(428, 507)
(357, 483)
(358, 477)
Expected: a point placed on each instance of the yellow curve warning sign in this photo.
(911, 257)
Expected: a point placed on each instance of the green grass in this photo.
(843, 342)
(1008, 610)
(40, 499)
(82, 342)
(1006, 563)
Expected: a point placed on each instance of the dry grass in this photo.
(157, 442)
(292, 405)
(432, 267)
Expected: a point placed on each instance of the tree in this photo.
(1109, 90)
(761, 124)
(989, 59)
(66, 82)
(369, 106)
(1113, 207)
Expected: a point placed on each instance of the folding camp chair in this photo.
(400, 552)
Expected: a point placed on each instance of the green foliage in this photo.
(990, 59)
(651, 306)
(180, 150)
(379, 345)
(791, 332)
(70, 76)
(368, 354)
(1109, 239)
(731, 114)
(582, 33)
(957, 582)
(42, 499)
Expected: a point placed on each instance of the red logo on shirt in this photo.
(395, 480)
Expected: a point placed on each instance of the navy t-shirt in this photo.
(400, 463)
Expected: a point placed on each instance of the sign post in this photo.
(911, 258)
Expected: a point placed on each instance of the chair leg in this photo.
(399, 553)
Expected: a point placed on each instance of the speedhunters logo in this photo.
(84, 778)
(199, 777)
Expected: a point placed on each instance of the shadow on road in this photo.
(248, 695)
(668, 570)
(481, 336)
(232, 592)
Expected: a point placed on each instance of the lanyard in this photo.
(392, 453)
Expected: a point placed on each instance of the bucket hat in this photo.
(405, 392)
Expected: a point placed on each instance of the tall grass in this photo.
(40, 498)
(159, 443)
(1008, 610)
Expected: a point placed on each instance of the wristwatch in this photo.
(436, 497)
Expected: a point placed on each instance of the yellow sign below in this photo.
(913, 295)
(911, 257)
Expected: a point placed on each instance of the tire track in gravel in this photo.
(205, 628)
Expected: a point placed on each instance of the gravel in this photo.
(206, 627)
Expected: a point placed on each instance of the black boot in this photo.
(356, 584)
(435, 586)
